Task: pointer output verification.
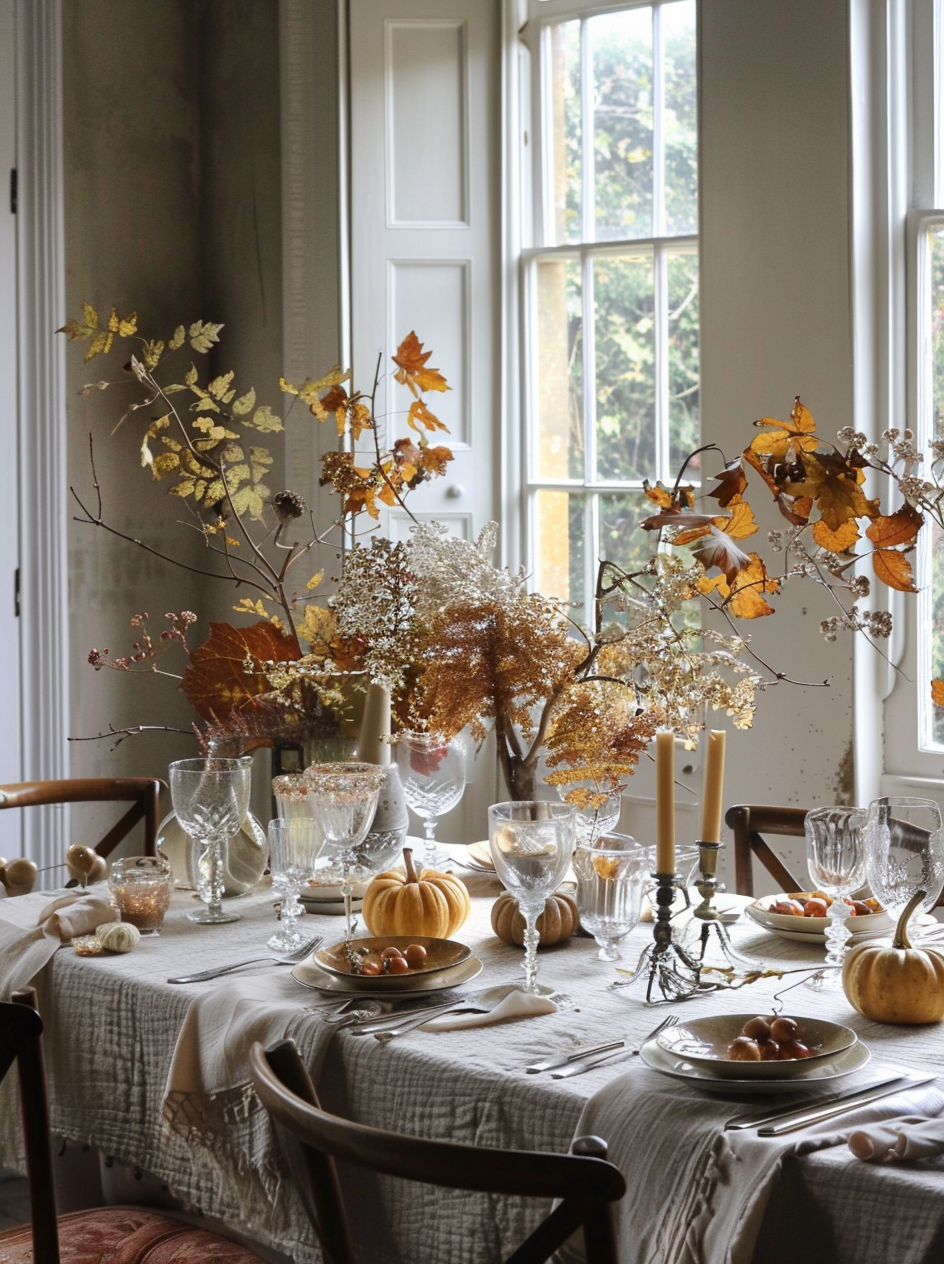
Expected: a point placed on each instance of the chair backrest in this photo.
(21, 1030)
(143, 793)
(748, 821)
(584, 1182)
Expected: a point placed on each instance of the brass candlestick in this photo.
(708, 887)
(665, 965)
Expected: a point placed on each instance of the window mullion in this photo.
(588, 210)
(660, 303)
(658, 130)
(589, 371)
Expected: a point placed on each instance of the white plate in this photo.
(481, 854)
(315, 904)
(870, 924)
(311, 976)
(820, 1072)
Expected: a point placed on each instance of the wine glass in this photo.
(904, 845)
(611, 873)
(294, 845)
(531, 845)
(432, 770)
(211, 799)
(599, 816)
(343, 797)
(835, 858)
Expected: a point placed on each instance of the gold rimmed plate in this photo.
(704, 1043)
(441, 954)
(809, 1076)
(310, 975)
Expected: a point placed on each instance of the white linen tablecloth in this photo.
(113, 1023)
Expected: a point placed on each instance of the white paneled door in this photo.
(10, 743)
(425, 148)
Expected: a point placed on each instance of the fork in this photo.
(611, 1057)
(285, 959)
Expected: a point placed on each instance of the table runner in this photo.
(113, 1023)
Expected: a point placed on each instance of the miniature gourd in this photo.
(408, 903)
(897, 983)
(118, 936)
(558, 921)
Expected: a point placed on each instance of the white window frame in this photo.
(915, 202)
(528, 210)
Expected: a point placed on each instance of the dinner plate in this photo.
(703, 1042)
(481, 854)
(309, 975)
(871, 924)
(441, 954)
(813, 1074)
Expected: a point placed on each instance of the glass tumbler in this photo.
(141, 886)
(611, 876)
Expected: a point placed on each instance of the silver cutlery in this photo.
(738, 1123)
(815, 1115)
(590, 1059)
(391, 1025)
(285, 959)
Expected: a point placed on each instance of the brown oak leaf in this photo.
(731, 482)
(900, 527)
(216, 681)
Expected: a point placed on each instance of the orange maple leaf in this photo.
(216, 681)
(900, 527)
(420, 416)
(841, 541)
(835, 488)
(743, 597)
(412, 371)
(893, 569)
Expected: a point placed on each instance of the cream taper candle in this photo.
(665, 802)
(714, 788)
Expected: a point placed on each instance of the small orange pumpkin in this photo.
(897, 983)
(558, 921)
(407, 903)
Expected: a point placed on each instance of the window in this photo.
(610, 271)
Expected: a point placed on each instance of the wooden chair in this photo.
(144, 794)
(749, 821)
(102, 1234)
(312, 1139)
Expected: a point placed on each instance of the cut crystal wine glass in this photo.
(611, 875)
(531, 845)
(343, 797)
(432, 771)
(211, 800)
(904, 845)
(294, 845)
(835, 858)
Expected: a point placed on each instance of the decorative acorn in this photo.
(18, 876)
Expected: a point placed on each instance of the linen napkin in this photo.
(209, 1099)
(913, 1137)
(515, 1005)
(23, 953)
(713, 1186)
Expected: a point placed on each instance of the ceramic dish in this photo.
(315, 891)
(329, 908)
(872, 924)
(441, 954)
(703, 1042)
(821, 1071)
(309, 975)
(481, 854)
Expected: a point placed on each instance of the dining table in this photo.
(152, 1074)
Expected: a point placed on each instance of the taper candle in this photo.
(665, 802)
(714, 788)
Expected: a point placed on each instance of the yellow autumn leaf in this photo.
(78, 330)
(893, 569)
(101, 344)
(123, 326)
(420, 418)
(315, 581)
(744, 597)
(177, 341)
(841, 541)
(249, 499)
(248, 606)
(266, 421)
(164, 463)
(202, 335)
(219, 387)
(245, 404)
(412, 370)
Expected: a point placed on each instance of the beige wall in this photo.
(172, 177)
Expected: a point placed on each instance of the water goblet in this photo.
(294, 845)
(611, 874)
(432, 770)
(904, 848)
(531, 845)
(343, 797)
(835, 858)
(211, 800)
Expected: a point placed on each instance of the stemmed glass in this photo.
(611, 873)
(601, 813)
(904, 845)
(835, 858)
(293, 849)
(531, 845)
(432, 770)
(343, 797)
(211, 799)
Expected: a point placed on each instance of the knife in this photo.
(816, 1114)
(552, 1064)
(738, 1122)
(443, 1003)
(591, 1064)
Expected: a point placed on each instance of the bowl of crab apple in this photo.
(755, 1046)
